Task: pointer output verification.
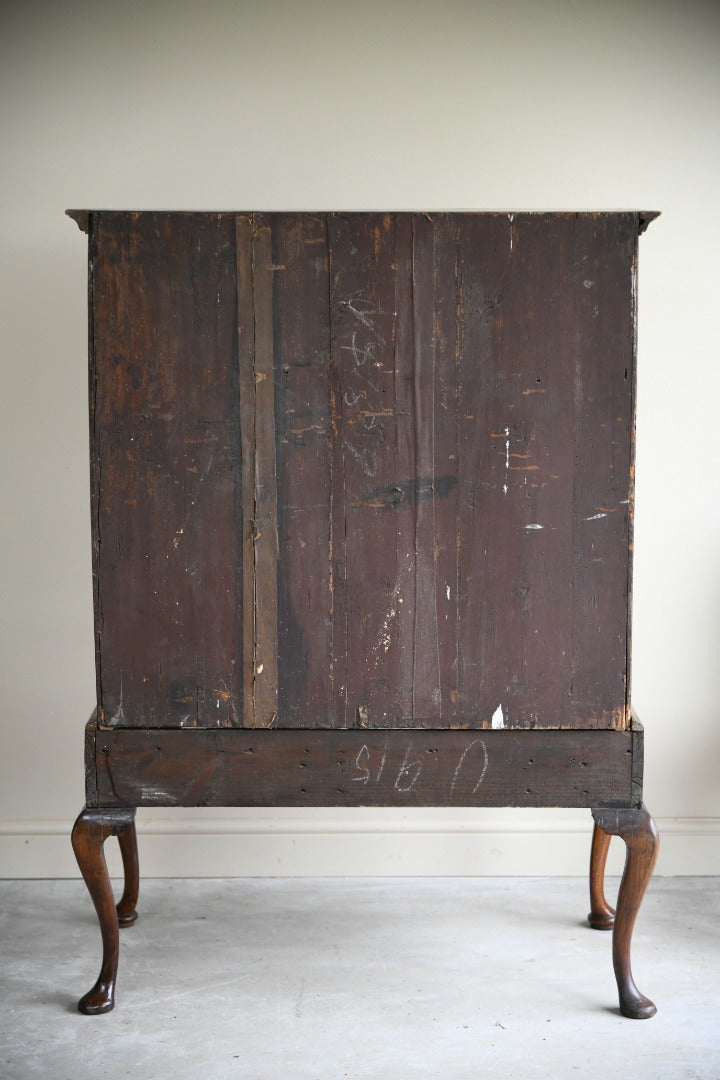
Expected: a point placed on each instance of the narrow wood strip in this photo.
(232, 767)
(265, 533)
(638, 759)
(631, 470)
(246, 359)
(602, 284)
(91, 796)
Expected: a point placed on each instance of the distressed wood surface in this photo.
(166, 469)
(362, 470)
(363, 768)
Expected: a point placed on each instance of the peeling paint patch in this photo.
(498, 719)
(384, 637)
(118, 716)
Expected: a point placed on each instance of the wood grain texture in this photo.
(601, 915)
(264, 659)
(479, 478)
(166, 457)
(363, 470)
(639, 832)
(363, 768)
(89, 834)
(307, 589)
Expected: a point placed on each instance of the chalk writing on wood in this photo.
(470, 768)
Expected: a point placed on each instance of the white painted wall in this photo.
(560, 104)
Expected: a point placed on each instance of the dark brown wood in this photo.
(362, 768)
(314, 666)
(166, 469)
(91, 797)
(638, 760)
(81, 218)
(602, 915)
(89, 834)
(265, 523)
(639, 832)
(362, 501)
(246, 407)
(127, 905)
(362, 470)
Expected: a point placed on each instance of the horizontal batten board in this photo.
(364, 768)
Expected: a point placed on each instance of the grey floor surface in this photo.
(390, 979)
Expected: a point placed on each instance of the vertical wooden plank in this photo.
(533, 434)
(485, 415)
(246, 378)
(166, 459)
(95, 463)
(604, 294)
(370, 479)
(426, 679)
(302, 421)
(446, 494)
(265, 536)
(543, 461)
(337, 510)
(399, 498)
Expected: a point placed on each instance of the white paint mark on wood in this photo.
(408, 774)
(384, 637)
(534, 525)
(118, 716)
(498, 719)
(595, 517)
(361, 765)
(484, 768)
(461, 762)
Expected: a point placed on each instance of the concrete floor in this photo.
(389, 979)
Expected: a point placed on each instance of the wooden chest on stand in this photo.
(362, 495)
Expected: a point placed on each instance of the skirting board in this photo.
(358, 843)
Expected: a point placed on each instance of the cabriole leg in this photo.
(639, 832)
(601, 916)
(127, 838)
(89, 834)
